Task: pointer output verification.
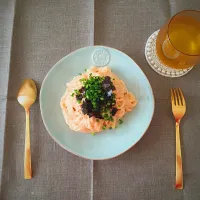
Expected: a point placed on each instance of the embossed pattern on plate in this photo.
(101, 57)
(154, 62)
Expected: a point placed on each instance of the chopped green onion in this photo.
(104, 127)
(83, 79)
(120, 121)
(110, 128)
(97, 96)
(76, 91)
(112, 120)
(72, 94)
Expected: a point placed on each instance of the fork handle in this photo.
(27, 153)
(179, 169)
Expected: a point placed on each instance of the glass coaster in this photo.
(154, 62)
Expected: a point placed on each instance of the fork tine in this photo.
(179, 97)
(182, 97)
(175, 96)
(172, 96)
(179, 102)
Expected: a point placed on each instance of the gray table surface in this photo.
(34, 35)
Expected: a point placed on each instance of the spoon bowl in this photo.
(27, 93)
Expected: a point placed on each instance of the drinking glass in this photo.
(178, 41)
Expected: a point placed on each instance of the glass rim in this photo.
(168, 31)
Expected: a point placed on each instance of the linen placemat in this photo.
(42, 33)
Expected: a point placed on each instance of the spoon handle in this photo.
(27, 155)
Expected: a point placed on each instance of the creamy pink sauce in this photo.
(77, 121)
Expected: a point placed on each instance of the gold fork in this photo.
(178, 109)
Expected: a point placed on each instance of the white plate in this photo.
(107, 144)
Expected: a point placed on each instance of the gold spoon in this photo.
(26, 97)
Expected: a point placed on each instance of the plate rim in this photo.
(49, 132)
